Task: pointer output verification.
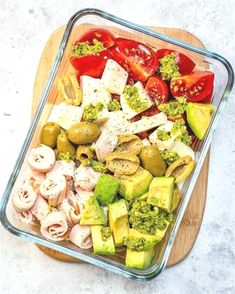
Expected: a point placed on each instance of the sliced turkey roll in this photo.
(40, 208)
(54, 226)
(105, 144)
(41, 158)
(54, 189)
(81, 236)
(72, 209)
(82, 195)
(35, 179)
(24, 216)
(63, 167)
(86, 178)
(24, 198)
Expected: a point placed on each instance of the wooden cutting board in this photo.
(191, 222)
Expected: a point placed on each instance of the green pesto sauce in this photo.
(83, 48)
(169, 156)
(136, 244)
(105, 233)
(92, 112)
(114, 105)
(68, 156)
(163, 135)
(168, 68)
(133, 98)
(181, 132)
(145, 219)
(97, 166)
(175, 107)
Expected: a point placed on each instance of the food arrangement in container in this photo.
(115, 147)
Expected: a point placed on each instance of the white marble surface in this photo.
(210, 267)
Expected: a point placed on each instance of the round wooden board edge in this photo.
(66, 258)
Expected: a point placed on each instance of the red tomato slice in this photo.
(196, 86)
(102, 35)
(185, 64)
(137, 59)
(157, 90)
(92, 65)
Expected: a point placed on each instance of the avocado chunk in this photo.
(102, 243)
(118, 221)
(175, 198)
(92, 214)
(160, 192)
(159, 235)
(106, 189)
(139, 259)
(135, 185)
(138, 241)
(198, 117)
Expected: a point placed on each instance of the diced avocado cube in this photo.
(139, 259)
(139, 241)
(161, 233)
(118, 221)
(101, 245)
(92, 214)
(135, 185)
(175, 198)
(160, 192)
(106, 189)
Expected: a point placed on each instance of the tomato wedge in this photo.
(196, 86)
(100, 34)
(185, 64)
(157, 90)
(139, 60)
(92, 65)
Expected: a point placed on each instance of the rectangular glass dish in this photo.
(78, 24)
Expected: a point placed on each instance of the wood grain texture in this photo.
(191, 222)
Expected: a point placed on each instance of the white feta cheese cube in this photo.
(161, 145)
(66, 115)
(144, 98)
(114, 77)
(93, 91)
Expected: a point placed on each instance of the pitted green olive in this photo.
(83, 133)
(49, 134)
(84, 153)
(151, 159)
(175, 198)
(64, 145)
(181, 168)
(131, 143)
(122, 162)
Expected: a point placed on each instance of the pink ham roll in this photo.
(41, 158)
(54, 226)
(54, 189)
(62, 167)
(81, 236)
(35, 179)
(40, 208)
(72, 209)
(24, 198)
(24, 216)
(86, 178)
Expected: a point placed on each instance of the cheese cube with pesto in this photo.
(135, 100)
(114, 77)
(93, 91)
(162, 137)
(66, 115)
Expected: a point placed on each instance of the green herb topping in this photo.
(84, 48)
(92, 112)
(175, 107)
(114, 105)
(68, 156)
(179, 130)
(105, 233)
(96, 165)
(133, 99)
(163, 135)
(169, 156)
(168, 67)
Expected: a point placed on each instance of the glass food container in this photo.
(79, 23)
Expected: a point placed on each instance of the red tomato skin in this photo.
(157, 90)
(92, 65)
(137, 59)
(185, 64)
(143, 135)
(196, 86)
(100, 34)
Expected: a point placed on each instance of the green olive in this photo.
(64, 145)
(84, 152)
(152, 160)
(181, 168)
(83, 133)
(49, 134)
(131, 143)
